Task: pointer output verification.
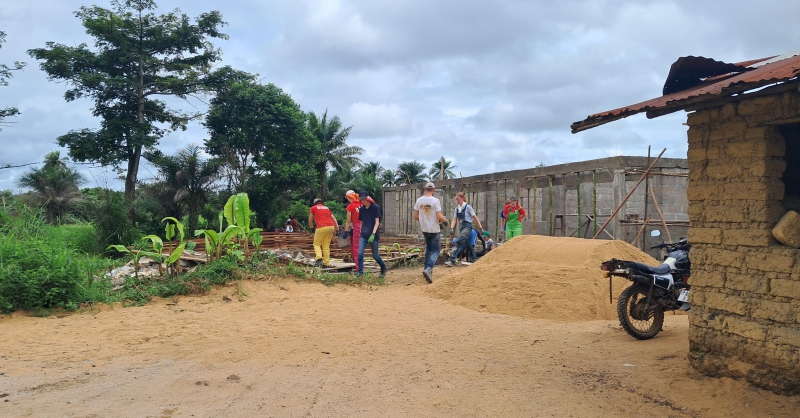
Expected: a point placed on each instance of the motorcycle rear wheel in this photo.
(637, 319)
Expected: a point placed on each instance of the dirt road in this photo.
(305, 350)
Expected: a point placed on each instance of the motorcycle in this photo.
(655, 290)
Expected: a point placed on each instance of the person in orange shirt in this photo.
(352, 226)
(327, 225)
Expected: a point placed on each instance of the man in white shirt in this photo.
(428, 211)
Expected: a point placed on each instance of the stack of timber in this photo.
(392, 249)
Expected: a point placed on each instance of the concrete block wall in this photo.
(745, 317)
(487, 194)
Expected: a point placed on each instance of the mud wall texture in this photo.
(745, 317)
(572, 195)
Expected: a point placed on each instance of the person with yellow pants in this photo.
(327, 226)
(513, 215)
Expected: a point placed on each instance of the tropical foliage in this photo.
(410, 172)
(137, 57)
(441, 170)
(335, 153)
(55, 186)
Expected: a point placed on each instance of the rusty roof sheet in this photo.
(695, 80)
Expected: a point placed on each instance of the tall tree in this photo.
(55, 186)
(137, 57)
(441, 170)
(260, 132)
(5, 74)
(335, 153)
(388, 178)
(372, 168)
(410, 172)
(188, 177)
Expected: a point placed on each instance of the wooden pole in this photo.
(644, 225)
(658, 209)
(550, 209)
(580, 225)
(564, 204)
(594, 200)
(646, 194)
(610, 218)
(534, 206)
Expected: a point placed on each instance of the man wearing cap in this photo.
(514, 213)
(428, 211)
(326, 226)
(370, 216)
(466, 215)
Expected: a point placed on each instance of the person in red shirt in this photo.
(352, 226)
(514, 213)
(326, 226)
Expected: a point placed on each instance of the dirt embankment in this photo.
(541, 277)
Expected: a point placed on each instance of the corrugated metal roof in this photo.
(708, 80)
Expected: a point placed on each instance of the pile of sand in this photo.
(543, 277)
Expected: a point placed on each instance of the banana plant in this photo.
(174, 254)
(216, 242)
(136, 256)
(237, 212)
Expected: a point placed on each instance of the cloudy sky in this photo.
(492, 85)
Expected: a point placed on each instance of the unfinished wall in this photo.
(745, 317)
(550, 194)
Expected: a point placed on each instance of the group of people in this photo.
(362, 226)
(428, 211)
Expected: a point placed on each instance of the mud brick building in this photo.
(744, 175)
(572, 199)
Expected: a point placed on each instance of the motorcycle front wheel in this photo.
(638, 319)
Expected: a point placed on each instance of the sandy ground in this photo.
(306, 350)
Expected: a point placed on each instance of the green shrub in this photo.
(82, 237)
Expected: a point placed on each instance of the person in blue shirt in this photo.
(370, 217)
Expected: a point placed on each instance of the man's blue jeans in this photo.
(463, 242)
(432, 245)
(362, 246)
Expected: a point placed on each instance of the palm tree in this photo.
(338, 183)
(55, 185)
(188, 178)
(335, 154)
(441, 170)
(372, 168)
(388, 178)
(410, 172)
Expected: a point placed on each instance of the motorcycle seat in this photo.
(644, 268)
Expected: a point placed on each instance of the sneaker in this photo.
(318, 263)
(383, 274)
(449, 263)
(427, 274)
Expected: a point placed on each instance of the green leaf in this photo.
(169, 231)
(228, 211)
(178, 224)
(120, 248)
(242, 210)
(176, 254)
(158, 244)
(190, 245)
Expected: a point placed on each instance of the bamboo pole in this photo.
(534, 206)
(610, 218)
(638, 234)
(579, 202)
(550, 209)
(646, 193)
(594, 200)
(658, 209)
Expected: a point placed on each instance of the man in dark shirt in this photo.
(370, 217)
